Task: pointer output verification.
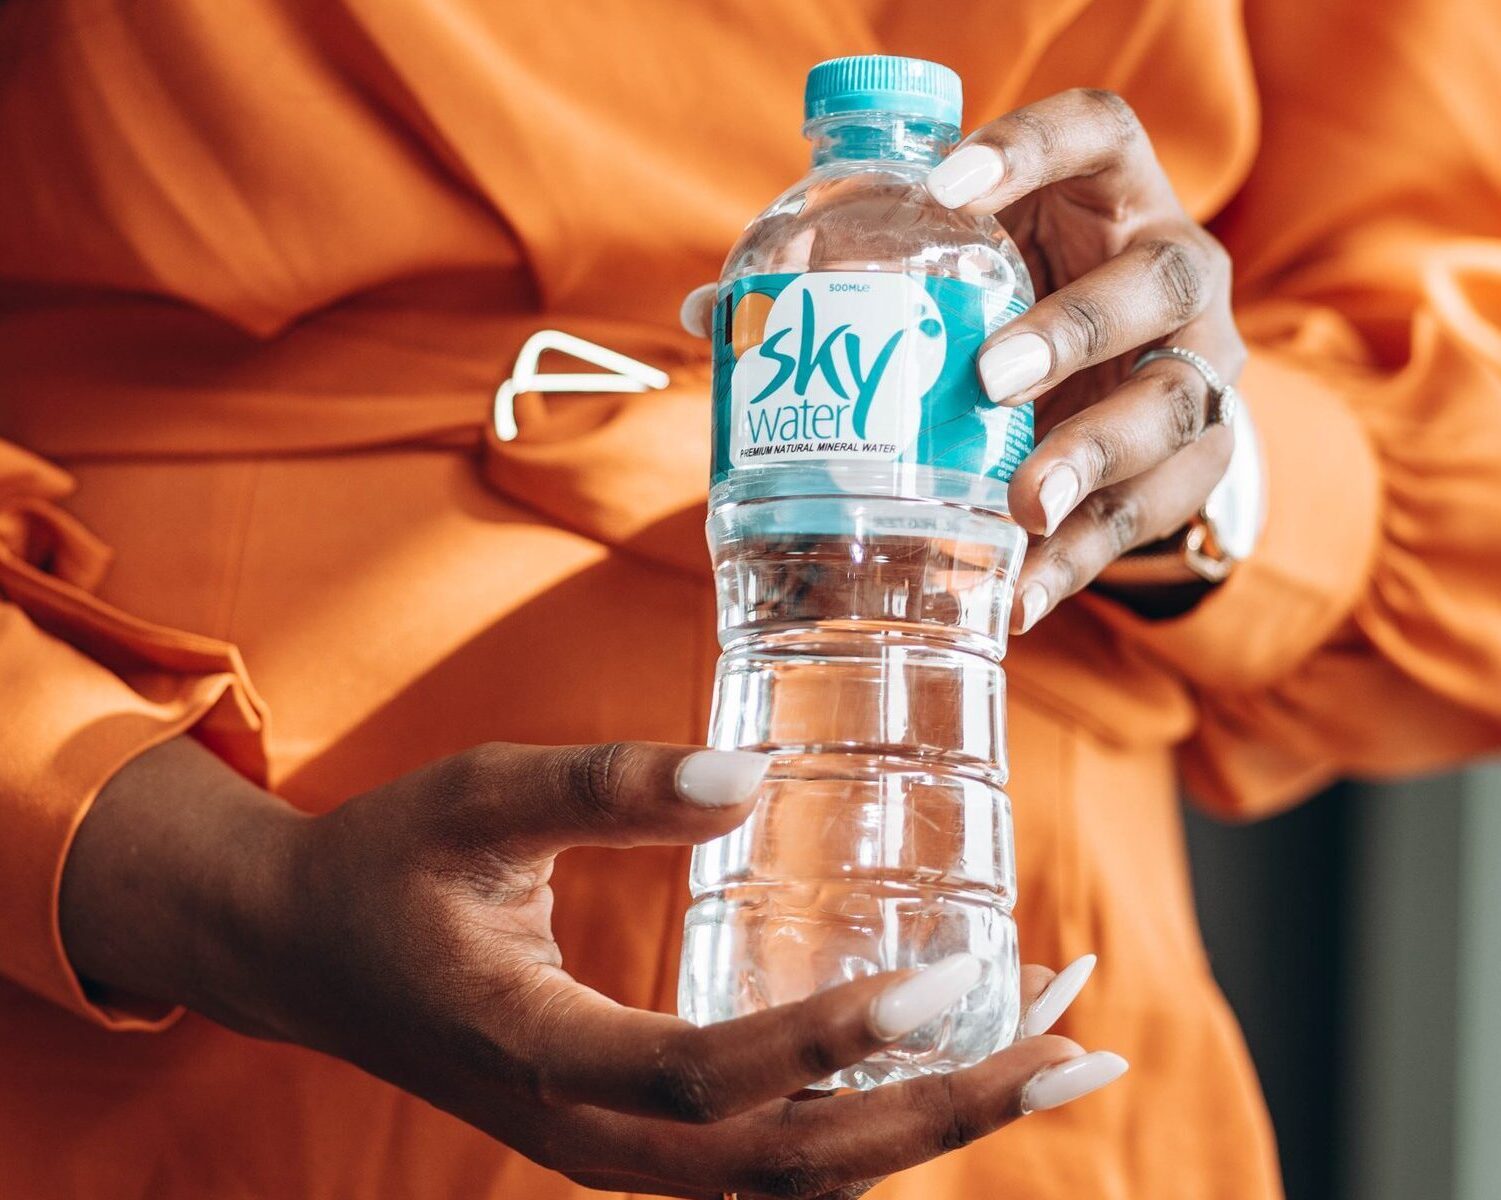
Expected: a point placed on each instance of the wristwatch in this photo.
(1225, 530)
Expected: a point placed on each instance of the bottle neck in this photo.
(891, 137)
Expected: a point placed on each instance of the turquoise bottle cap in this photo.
(884, 82)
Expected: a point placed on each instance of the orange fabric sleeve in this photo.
(83, 689)
(1364, 636)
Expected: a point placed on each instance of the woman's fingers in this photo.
(1035, 980)
(1149, 418)
(820, 1146)
(1084, 135)
(1042, 1011)
(814, 1147)
(1117, 519)
(538, 800)
(1155, 286)
(585, 1049)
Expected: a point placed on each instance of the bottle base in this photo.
(755, 946)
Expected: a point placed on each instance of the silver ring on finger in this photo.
(1223, 398)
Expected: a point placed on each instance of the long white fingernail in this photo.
(698, 305)
(1057, 996)
(915, 1001)
(1014, 365)
(1058, 1085)
(1034, 604)
(1058, 494)
(721, 778)
(966, 175)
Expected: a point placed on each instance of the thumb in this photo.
(623, 794)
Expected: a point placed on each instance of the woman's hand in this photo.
(1122, 460)
(408, 932)
(1126, 459)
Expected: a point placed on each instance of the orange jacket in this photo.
(262, 264)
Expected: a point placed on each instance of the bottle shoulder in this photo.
(878, 216)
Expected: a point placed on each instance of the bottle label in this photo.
(860, 365)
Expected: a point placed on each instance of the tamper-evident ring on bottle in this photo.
(884, 82)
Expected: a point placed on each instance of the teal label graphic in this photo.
(860, 365)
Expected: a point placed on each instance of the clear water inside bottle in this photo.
(862, 615)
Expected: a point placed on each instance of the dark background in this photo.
(1272, 904)
(1358, 938)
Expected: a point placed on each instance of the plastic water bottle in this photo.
(864, 565)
